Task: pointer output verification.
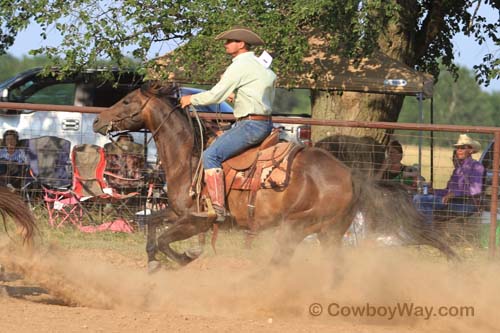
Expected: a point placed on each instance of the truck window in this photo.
(59, 94)
(33, 92)
(107, 95)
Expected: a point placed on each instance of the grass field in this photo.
(132, 245)
(230, 241)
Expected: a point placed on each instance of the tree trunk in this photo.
(398, 42)
(353, 106)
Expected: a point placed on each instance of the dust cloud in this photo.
(376, 279)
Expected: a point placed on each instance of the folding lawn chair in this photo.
(125, 166)
(48, 158)
(90, 185)
(50, 175)
(49, 161)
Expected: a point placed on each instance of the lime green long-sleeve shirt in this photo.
(251, 82)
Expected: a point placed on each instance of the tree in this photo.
(10, 66)
(458, 102)
(415, 32)
(419, 34)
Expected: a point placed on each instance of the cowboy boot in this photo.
(214, 180)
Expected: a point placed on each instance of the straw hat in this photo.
(243, 34)
(465, 140)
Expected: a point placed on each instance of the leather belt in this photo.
(259, 117)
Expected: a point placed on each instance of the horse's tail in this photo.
(387, 208)
(13, 206)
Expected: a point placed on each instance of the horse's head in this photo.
(129, 112)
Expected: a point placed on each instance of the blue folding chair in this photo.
(49, 163)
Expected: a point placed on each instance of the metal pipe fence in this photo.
(443, 137)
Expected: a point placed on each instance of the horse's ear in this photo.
(167, 90)
(145, 86)
(151, 87)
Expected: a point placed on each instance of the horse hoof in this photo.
(194, 252)
(153, 266)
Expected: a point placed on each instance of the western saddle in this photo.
(266, 166)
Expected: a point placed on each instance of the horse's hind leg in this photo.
(289, 236)
(331, 244)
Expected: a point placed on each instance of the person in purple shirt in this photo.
(462, 194)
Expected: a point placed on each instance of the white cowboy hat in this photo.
(465, 140)
(243, 34)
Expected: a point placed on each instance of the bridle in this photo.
(131, 116)
(196, 180)
(138, 112)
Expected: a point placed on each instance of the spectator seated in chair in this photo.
(13, 161)
(463, 192)
(125, 159)
(392, 169)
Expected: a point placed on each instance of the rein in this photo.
(197, 177)
(153, 134)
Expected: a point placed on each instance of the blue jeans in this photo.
(244, 134)
(429, 204)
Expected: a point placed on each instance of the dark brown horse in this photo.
(13, 206)
(322, 196)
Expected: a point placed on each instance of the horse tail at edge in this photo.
(387, 208)
(13, 206)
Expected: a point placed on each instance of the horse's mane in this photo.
(158, 89)
(170, 93)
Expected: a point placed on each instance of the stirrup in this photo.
(216, 216)
(210, 216)
(220, 214)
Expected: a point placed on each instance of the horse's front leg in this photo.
(152, 248)
(153, 221)
(186, 227)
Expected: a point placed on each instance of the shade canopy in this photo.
(320, 69)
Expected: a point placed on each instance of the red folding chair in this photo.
(89, 190)
(62, 206)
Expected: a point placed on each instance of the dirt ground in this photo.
(104, 291)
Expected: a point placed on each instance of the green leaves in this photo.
(93, 31)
